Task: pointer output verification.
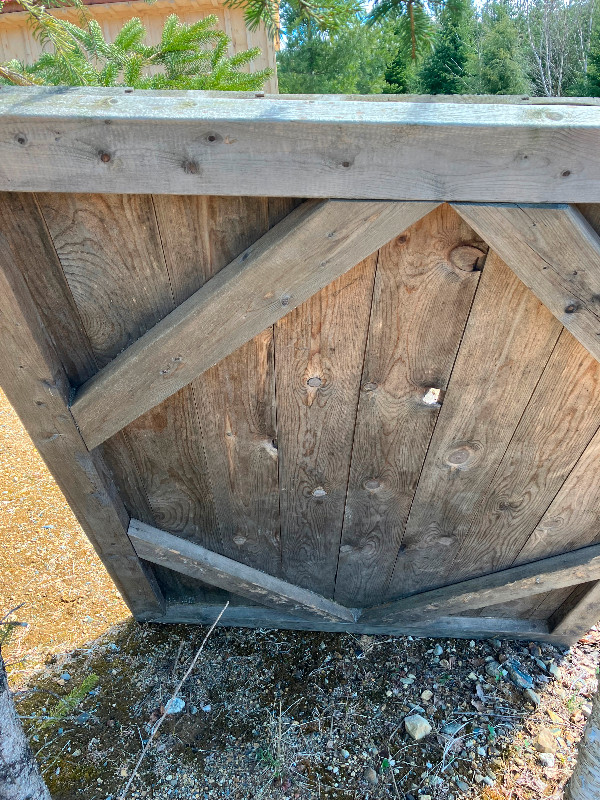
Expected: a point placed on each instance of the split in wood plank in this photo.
(555, 252)
(306, 251)
(191, 559)
(579, 566)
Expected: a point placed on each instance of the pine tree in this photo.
(446, 70)
(187, 57)
(593, 60)
(501, 67)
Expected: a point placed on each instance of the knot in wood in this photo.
(467, 258)
(319, 492)
(314, 382)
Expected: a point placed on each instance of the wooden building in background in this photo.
(17, 40)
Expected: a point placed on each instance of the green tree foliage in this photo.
(187, 57)
(500, 66)
(446, 69)
(352, 61)
(592, 82)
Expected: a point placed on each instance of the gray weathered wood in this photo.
(191, 559)
(235, 398)
(556, 427)
(319, 350)
(579, 566)
(315, 244)
(424, 288)
(452, 627)
(579, 612)
(556, 252)
(508, 339)
(38, 389)
(57, 139)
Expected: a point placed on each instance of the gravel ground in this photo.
(265, 714)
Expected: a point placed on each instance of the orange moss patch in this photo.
(47, 562)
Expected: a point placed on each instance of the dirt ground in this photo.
(265, 714)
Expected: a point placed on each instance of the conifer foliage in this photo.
(187, 57)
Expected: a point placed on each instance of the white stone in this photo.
(417, 727)
(546, 759)
(426, 695)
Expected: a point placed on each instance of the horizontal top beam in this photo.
(119, 140)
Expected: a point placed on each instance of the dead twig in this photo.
(173, 696)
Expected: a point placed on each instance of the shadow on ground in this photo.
(272, 714)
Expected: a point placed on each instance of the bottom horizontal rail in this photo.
(451, 627)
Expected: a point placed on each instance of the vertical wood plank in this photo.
(111, 255)
(508, 340)
(236, 398)
(558, 424)
(319, 350)
(33, 377)
(424, 287)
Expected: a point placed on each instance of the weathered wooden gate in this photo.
(379, 412)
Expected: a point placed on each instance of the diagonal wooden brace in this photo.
(555, 252)
(310, 248)
(191, 559)
(557, 572)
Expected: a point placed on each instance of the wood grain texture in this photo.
(235, 398)
(38, 388)
(507, 342)
(112, 257)
(184, 556)
(425, 282)
(306, 148)
(259, 287)
(553, 250)
(558, 424)
(580, 566)
(319, 351)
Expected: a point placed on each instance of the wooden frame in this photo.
(397, 163)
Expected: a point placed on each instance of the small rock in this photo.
(174, 706)
(424, 797)
(207, 708)
(518, 676)
(554, 716)
(438, 650)
(65, 676)
(586, 710)
(370, 776)
(488, 781)
(76, 753)
(481, 751)
(532, 696)
(451, 728)
(407, 681)
(478, 778)
(426, 695)
(345, 754)
(417, 727)
(546, 759)
(545, 742)
(82, 718)
(554, 670)
(464, 787)
(493, 669)
(471, 676)
(497, 644)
